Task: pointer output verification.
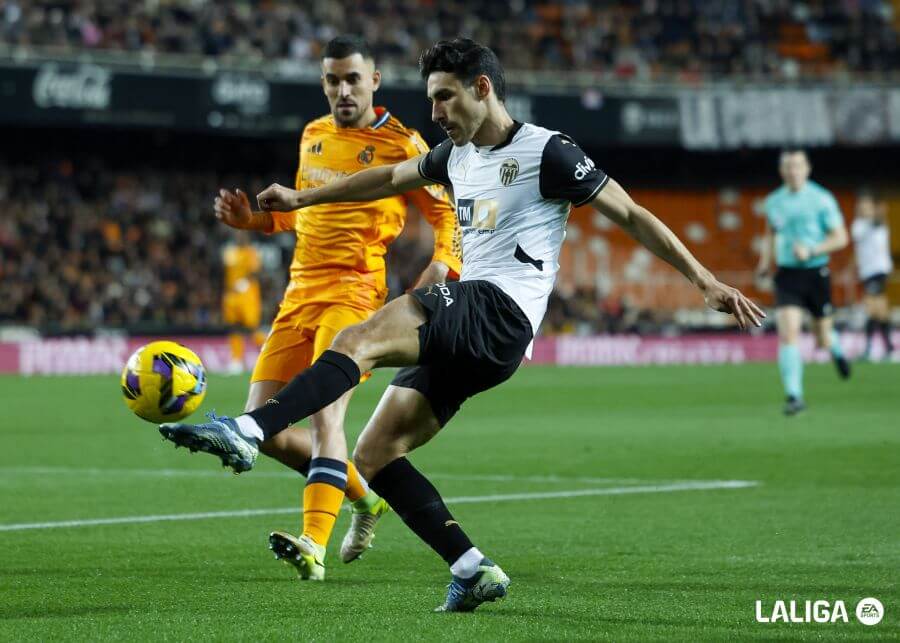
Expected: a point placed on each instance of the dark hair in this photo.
(467, 60)
(344, 46)
(793, 150)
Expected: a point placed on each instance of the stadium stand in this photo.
(85, 244)
(684, 39)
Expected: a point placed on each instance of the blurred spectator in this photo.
(687, 39)
(83, 247)
(585, 312)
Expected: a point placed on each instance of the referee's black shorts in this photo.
(475, 338)
(808, 288)
(875, 284)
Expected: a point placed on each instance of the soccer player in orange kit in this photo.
(242, 301)
(337, 280)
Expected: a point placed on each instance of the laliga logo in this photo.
(869, 611)
(88, 87)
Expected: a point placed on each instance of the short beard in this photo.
(347, 123)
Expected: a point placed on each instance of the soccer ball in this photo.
(163, 381)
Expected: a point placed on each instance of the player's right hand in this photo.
(233, 209)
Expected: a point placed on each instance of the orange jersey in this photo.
(339, 256)
(241, 265)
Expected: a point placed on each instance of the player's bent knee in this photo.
(369, 459)
(350, 341)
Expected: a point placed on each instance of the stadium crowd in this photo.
(686, 39)
(84, 247)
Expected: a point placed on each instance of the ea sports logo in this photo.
(869, 611)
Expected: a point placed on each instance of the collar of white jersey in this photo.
(516, 126)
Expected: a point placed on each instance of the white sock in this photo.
(249, 428)
(467, 564)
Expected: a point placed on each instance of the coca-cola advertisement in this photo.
(81, 87)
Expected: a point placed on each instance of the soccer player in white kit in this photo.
(514, 184)
(872, 246)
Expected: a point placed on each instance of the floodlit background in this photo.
(120, 120)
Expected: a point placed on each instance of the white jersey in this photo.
(512, 202)
(873, 248)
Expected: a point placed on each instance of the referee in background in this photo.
(804, 226)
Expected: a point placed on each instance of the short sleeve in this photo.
(282, 222)
(831, 213)
(568, 173)
(767, 210)
(433, 165)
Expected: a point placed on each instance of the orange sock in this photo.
(236, 342)
(322, 497)
(356, 485)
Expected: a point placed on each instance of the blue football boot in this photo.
(220, 437)
(487, 585)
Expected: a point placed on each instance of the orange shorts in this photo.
(242, 309)
(300, 333)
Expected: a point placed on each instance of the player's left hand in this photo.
(801, 252)
(726, 299)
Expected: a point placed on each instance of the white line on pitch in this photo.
(699, 485)
(203, 473)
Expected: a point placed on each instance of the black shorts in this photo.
(808, 288)
(475, 338)
(875, 285)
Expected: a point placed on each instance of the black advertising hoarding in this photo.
(60, 94)
(88, 94)
(250, 104)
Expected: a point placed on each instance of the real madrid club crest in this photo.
(367, 155)
(509, 171)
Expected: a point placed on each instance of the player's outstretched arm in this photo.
(367, 185)
(614, 202)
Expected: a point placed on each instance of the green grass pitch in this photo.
(623, 546)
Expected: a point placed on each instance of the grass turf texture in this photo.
(823, 523)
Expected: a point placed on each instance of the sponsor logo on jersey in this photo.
(315, 148)
(583, 168)
(367, 155)
(477, 214)
(321, 175)
(509, 171)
